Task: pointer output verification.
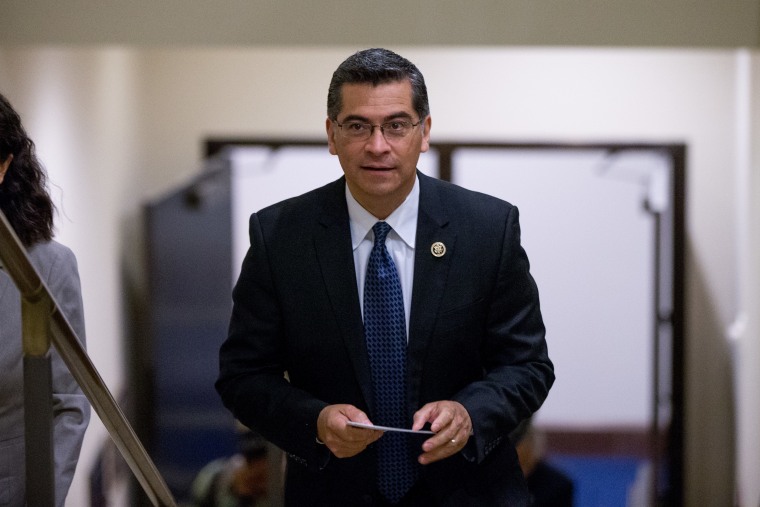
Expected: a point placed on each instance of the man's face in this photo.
(380, 171)
(251, 481)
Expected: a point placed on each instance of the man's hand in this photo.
(451, 424)
(343, 440)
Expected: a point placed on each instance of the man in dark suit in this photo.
(304, 357)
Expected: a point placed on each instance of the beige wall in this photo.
(747, 328)
(116, 126)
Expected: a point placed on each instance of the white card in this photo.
(388, 428)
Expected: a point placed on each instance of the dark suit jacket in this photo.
(476, 336)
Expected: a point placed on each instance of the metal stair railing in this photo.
(43, 320)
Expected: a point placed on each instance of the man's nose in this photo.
(377, 142)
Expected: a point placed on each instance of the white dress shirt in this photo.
(400, 242)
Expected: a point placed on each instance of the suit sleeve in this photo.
(517, 371)
(71, 409)
(252, 380)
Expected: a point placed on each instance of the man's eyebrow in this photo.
(390, 117)
(398, 116)
(355, 117)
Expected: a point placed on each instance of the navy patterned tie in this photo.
(385, 332)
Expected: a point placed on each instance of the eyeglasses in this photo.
(391, 130)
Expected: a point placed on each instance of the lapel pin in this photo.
(438, 249)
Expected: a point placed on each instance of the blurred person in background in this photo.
(548, 486)
(242, 480)
(25, 202)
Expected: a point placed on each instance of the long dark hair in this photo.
(23, 194)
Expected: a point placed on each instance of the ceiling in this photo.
(640, 23)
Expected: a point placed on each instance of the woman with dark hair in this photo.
(26, 204)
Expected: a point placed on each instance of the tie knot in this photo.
(381, 230)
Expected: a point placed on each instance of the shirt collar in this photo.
(403, 220)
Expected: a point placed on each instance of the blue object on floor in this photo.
(600, 481)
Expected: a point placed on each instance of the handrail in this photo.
(33, 288)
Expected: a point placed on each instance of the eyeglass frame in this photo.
(372, 126)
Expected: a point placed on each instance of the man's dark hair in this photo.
(252, 445)
(23, 197)
(377, 66)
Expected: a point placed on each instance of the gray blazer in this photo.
(71, 410)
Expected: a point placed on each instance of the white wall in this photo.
(746, 329)
(590, 245)
(117, 126)
(78, 107)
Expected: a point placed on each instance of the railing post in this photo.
(38, 401)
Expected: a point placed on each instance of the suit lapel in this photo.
(333, 246)
(430, 276)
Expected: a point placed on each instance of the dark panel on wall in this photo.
(189, 266)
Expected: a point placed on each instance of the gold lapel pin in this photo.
(438, 249)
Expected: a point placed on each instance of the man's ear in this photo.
(4, 166)
(425, 146)
(330, 136)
